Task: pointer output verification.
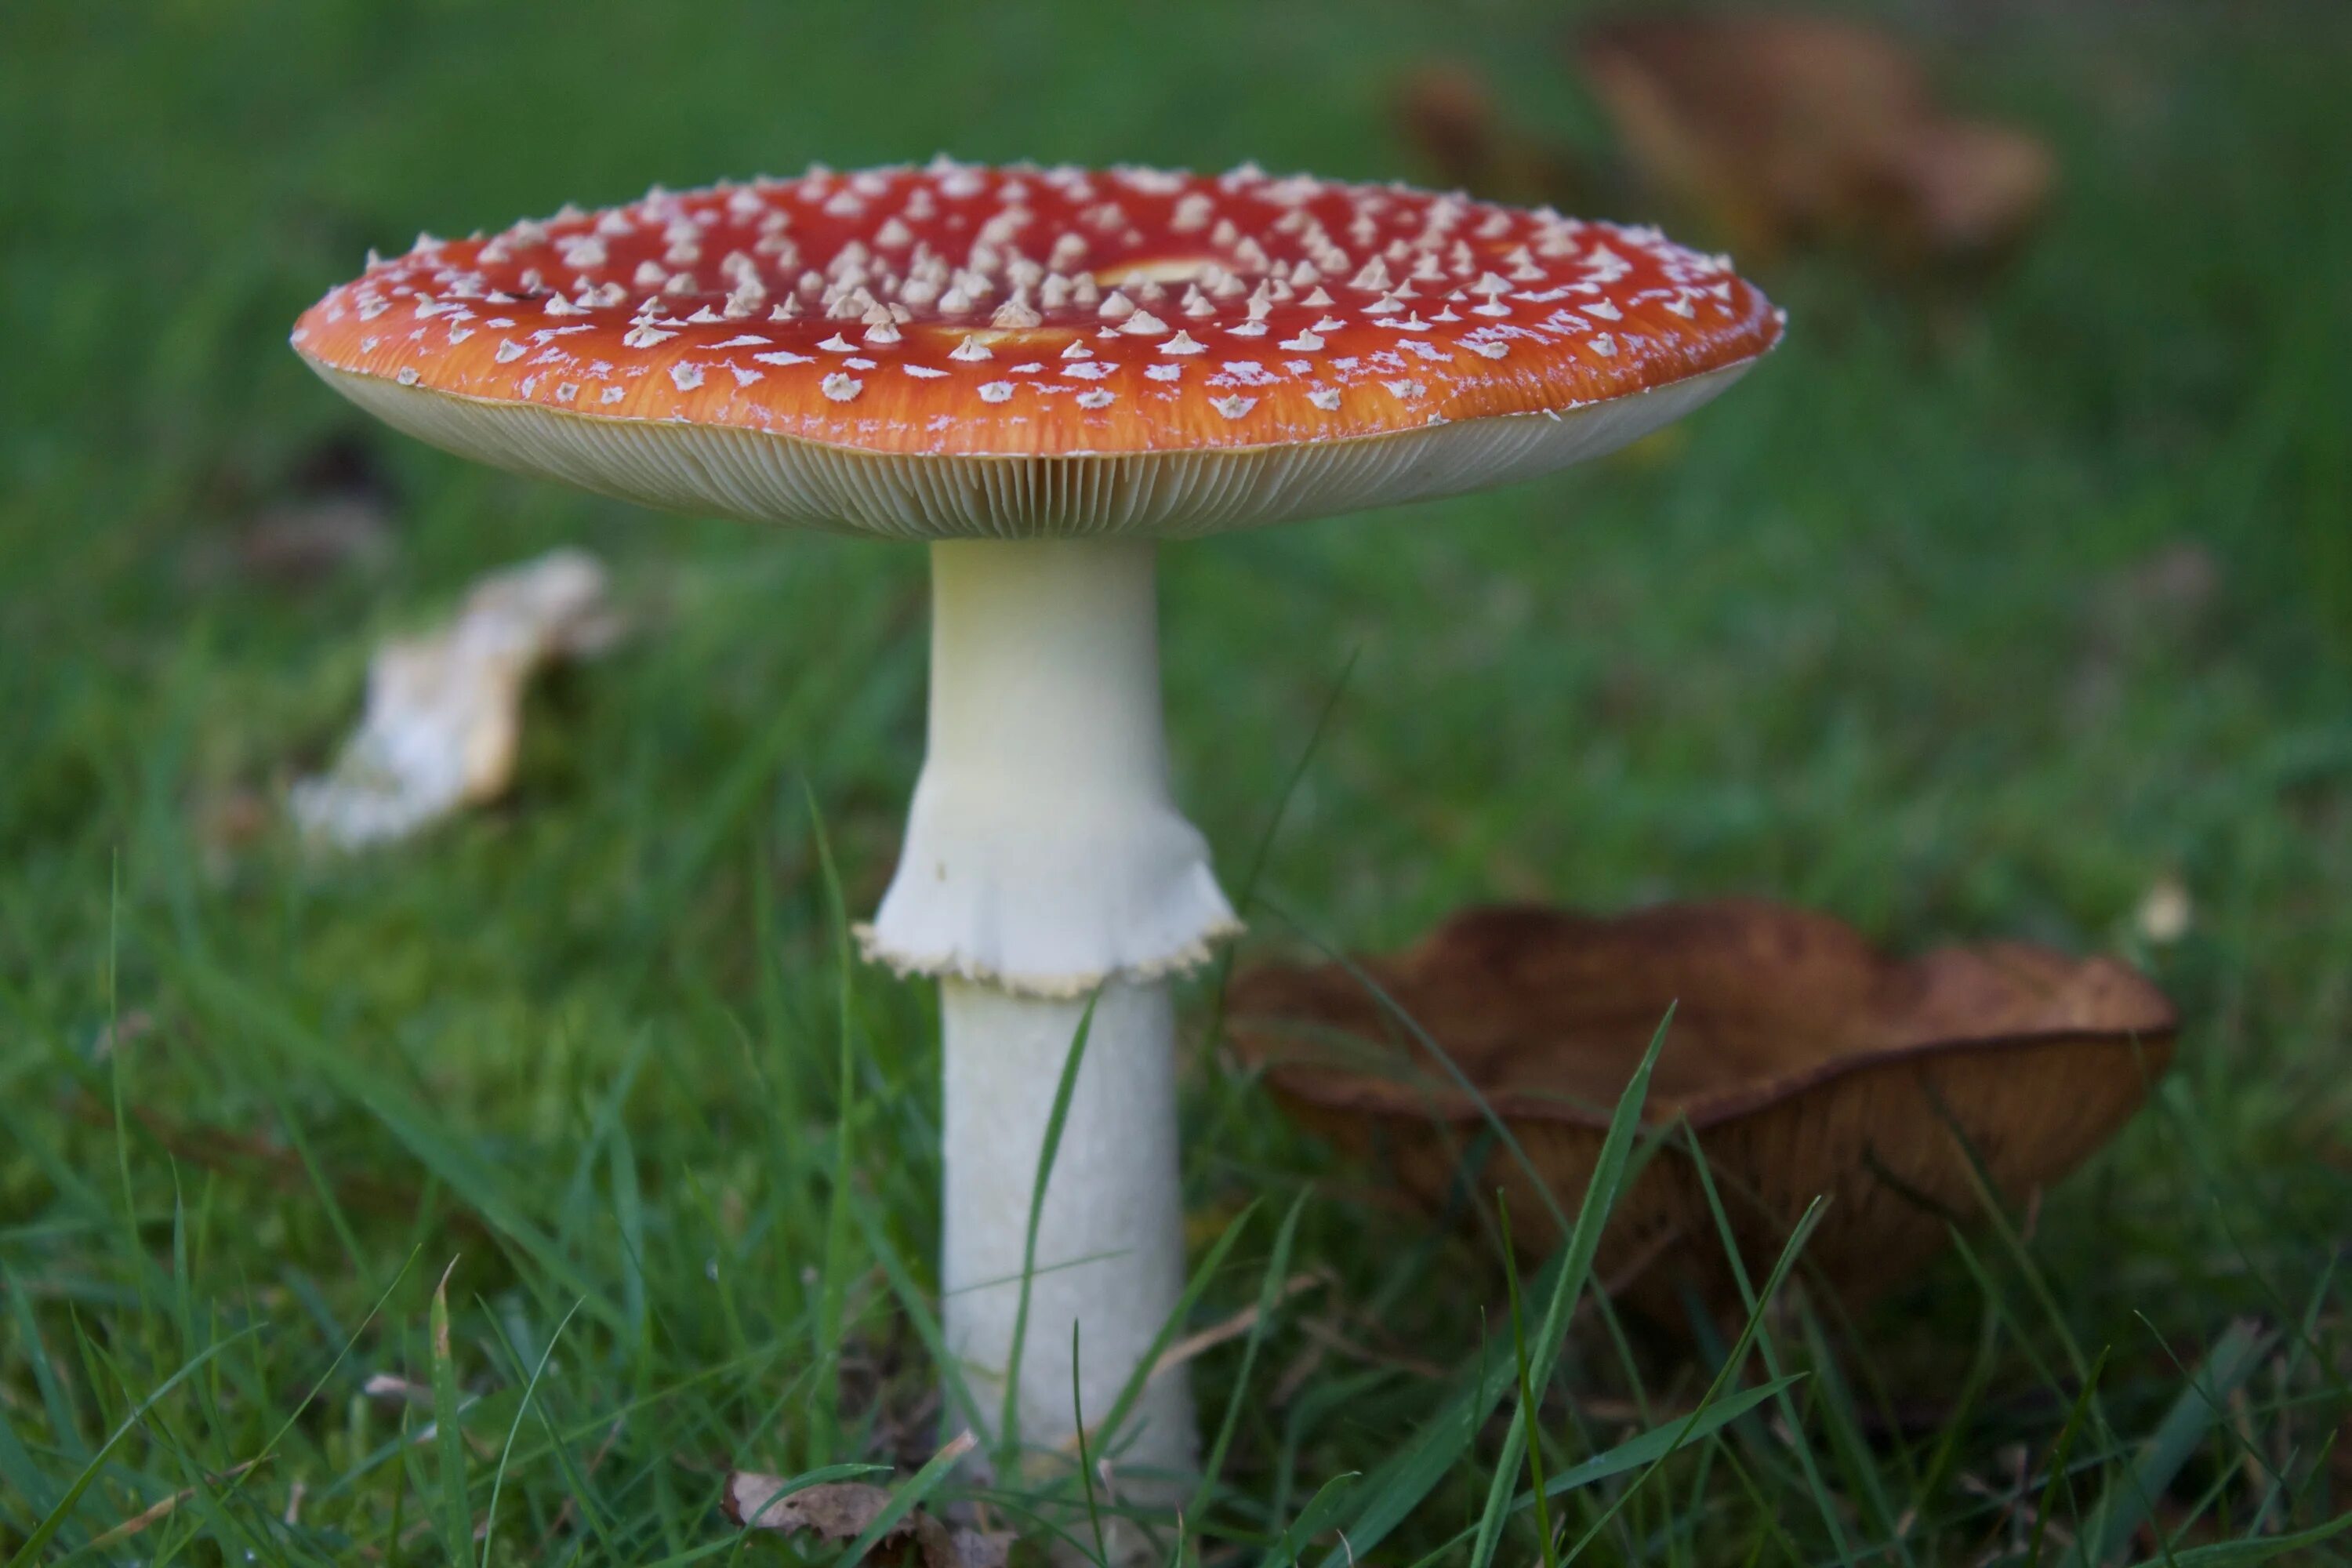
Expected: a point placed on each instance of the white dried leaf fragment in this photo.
(443, 709)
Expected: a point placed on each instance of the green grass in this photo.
(1887, 631)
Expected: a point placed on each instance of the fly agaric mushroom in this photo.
(1041, 372)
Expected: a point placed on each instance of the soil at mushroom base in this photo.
(1042, 373)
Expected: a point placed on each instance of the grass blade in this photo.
(2261, 1548)
(920, 1316)
(55, 1517)
(833, 1285)
(1798, 1235)
(1755, 1305)
(1085, 1460)
(1269, 1296)
(2065, 1445)
(1527, 1404)
(1591, 1219)
(2126, 1504)
(919, 1485)
(1321, 1511)
(1009, 1438)
(453, 1518)
(1149, 1367)
(1397, 1487)
(490, 1520)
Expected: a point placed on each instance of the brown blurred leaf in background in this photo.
(1447, 113)
(1760, 132)
(1772, 130)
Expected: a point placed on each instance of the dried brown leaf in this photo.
(1776, 129)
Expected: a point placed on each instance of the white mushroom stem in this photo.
(1045, 863)
(1110, 1240)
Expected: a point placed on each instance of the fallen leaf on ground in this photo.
(1805, 1061)
(1772, 130)
(838, 1512)
(444, 714)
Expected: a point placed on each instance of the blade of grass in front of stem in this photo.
(1008, 1446)
(1085, 1460)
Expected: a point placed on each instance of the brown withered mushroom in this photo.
(1806, 1062)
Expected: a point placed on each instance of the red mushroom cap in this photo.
(957, 312)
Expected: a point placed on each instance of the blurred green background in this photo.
(2003, 597)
